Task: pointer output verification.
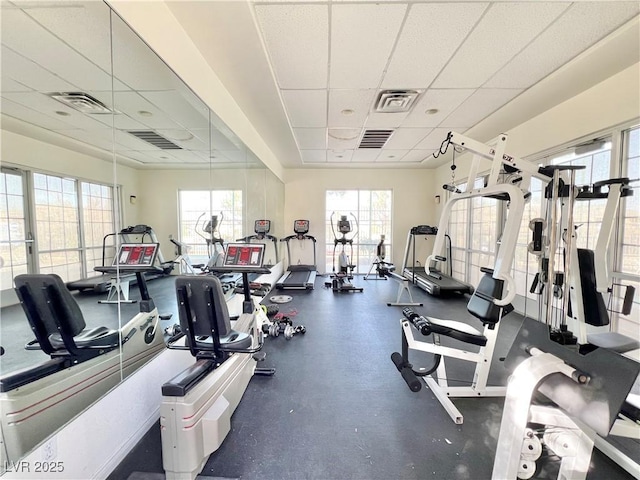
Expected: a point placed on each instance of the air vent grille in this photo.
(375, 138)
(154, 139)
(396, 101)
(83, 102)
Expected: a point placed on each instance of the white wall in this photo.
(609, 103)
(158, 197)
(413, 200)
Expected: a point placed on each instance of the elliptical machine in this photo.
(341, 281)
(215, 243)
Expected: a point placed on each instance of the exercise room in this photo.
(332, 239)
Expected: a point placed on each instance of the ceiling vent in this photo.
(375, 138)
(396, 101)
(83, 102)
(154, 139)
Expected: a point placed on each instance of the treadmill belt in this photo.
(297, 278)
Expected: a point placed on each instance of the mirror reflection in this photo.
(104, 151)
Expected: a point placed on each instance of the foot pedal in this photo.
(166, 316)
(259, 356)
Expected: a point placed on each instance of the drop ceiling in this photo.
(57, 85)
(308, 74)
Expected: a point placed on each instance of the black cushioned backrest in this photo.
(201, 291)
(595, 311)
(54, 304)
(481, 303)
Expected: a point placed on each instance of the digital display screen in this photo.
(244, 255)
(301, 226)
(136, 254)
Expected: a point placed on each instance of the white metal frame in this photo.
(438, 382)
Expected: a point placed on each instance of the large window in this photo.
(57, 225)
(64, 232)
(601, 162)
(372, 211)
(473, 230)
(627, 263)
(98, 221)
(13, 235)
(196, 210)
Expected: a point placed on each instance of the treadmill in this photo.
(130, 234)
(262, 229)
(435, 283)
(299, 277)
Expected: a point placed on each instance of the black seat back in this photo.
(482, 306)
(595, 310)
(203, 312)
(50, 309)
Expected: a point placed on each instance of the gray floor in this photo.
(338, 409)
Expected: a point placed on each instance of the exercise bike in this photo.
(341, 281)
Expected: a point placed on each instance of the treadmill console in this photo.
(262, 227)
(301, 227)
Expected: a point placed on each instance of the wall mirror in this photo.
(98, 134)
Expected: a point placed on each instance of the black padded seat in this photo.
(458, 330)
(52, 311)
(209, 313)
(95, 337)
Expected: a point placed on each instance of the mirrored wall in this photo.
(98, 135)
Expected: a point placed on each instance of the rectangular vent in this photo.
(375, 138)
(154, 139)
(83, 102)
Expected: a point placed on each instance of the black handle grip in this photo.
(421, 323)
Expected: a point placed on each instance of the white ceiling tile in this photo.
(189, 114)
(95, 138)
(581, 25)
(362, 38)
(482, 103)
(297, 40)
(406, 138)
(84, 26)
(504, 30)
(23, 35)
(430, 35)
(10, 85)
(357, 101)
(131, 103)
(433, 141)
(385, 120)
(31, 116)
(339, 156)
(29, 73)
(310, 138)
(391, 155)
(365, 155)
(306, 108)
(187, 156)
(445, 101)
(416, 156)
(343, 138)
(122, 121)
(313, 156)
